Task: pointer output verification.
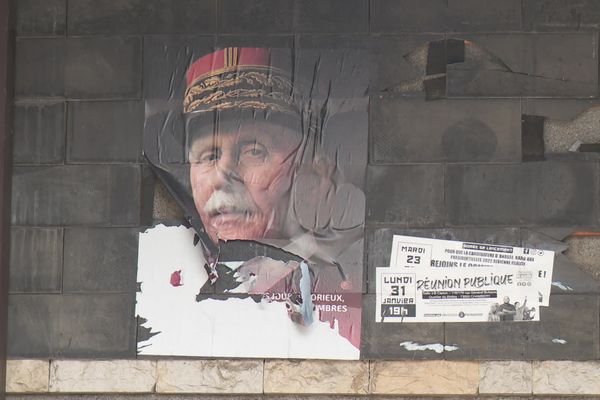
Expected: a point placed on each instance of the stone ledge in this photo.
(27, 376)
(316, 377)
(505, 377)
(424, 377)
(311, 377)
(209, 376)
(566, 378)
(111, 376)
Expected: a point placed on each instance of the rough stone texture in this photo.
(71, 325)
(141, 17)
(505, 377)
(105, 131)
(379, 242)
(209, 376)
(560, 136)
(571, 318)
(445, 15)
(389, 341)
(75, 195)
(41, 17)
(104, 67)
(260, 16)
(165, 208)
(568, 274)
(27, 376)
(36, 260)
(40, 67)
(389, 202)
(100, 259)
(414, 130)
(550, 193)
(118, 376)
(585, 251)
(39, 135)
(566, 378)
(326, 377)
(424, 377)
(332, 16)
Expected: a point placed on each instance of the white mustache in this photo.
(230, 199)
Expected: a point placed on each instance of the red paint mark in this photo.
(176, 278)
(585, 234)
(346, 285)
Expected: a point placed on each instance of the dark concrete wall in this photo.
(81, 190)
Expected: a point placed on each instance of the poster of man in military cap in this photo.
(264, 150)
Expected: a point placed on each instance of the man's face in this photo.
(506, 300)
(241, 176)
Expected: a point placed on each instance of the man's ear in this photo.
(322, 202)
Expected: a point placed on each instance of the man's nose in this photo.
(227, 168)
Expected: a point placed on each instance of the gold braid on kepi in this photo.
(238, 79)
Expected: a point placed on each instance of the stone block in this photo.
(261, 16)
(566, 378)
(424, 377)
(312, 376)
(114, 376)
(547, 193)
(76, 195)
(166, 59)
(93, 17)
(100, 131)
(36, 260)
(568, 330)
(27, 376)
(399, 61)
(104, 67)
(392, 341)
(527, 65)
(445, 16)
(100, 259)
(39, 133)
(210, 376)
(408, 196)
(40, 67)
(379, 242)
(41, 17)
(561, 15)
(412, 130)
(332, 16)
(505, 377)
(71, 325)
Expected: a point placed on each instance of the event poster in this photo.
(432, 280)
(265, 151)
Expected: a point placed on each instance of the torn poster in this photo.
(432, 280)
(265, 150)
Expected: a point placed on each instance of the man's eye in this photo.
(206, 157)
(254, 150)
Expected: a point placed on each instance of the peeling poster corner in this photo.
(265, 150)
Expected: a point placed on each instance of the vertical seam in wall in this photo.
(216, 16)
(62, 261)
(264, 362)
(369, 16)
(66, 18)
(49, 373)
